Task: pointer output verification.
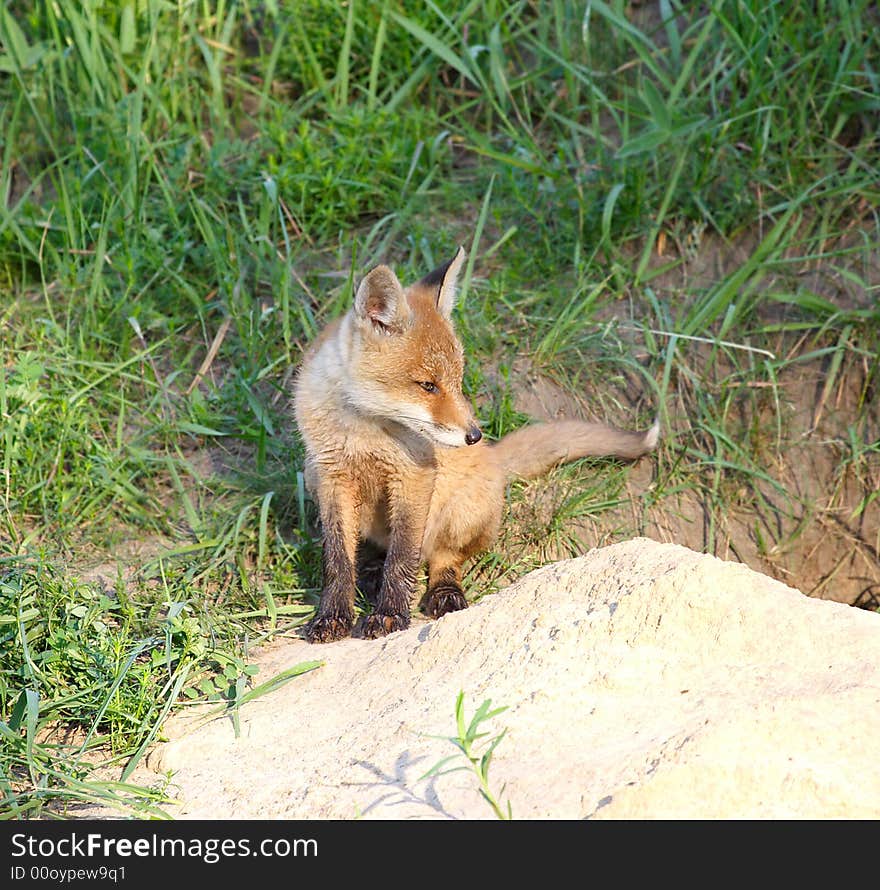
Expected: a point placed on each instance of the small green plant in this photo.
(478, 760)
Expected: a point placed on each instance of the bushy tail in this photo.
(533, 450)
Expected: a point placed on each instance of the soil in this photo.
(642, 680)
(821, 537)
(814, 521)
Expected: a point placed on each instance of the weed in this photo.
(479, 756)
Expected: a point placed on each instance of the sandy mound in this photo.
(642, 680)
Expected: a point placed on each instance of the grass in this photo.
(665, 209)
(478, 754)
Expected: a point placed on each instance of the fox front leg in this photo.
(402, 562)
(339, 520)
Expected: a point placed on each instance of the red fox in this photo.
(394, 456)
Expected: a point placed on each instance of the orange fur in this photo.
(394, 456)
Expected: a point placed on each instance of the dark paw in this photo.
(379, 625)
(442, 600)
(329, 629)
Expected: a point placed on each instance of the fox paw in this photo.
(380, 625)
(442, 600)
(329, 628)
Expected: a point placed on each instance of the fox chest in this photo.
(374, 481)
(376, 487)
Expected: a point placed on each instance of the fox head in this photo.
(406, 362)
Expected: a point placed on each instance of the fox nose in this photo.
(473, 435)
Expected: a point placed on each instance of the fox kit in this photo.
(394, 456)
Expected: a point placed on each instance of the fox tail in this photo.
(533, 450)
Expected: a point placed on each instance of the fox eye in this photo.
(428, 386)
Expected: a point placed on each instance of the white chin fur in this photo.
(419, 421)
(449, 438)
(413, 417)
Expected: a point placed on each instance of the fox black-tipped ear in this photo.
(381, 300)
(445, 278)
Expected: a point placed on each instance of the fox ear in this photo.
(444, 278)
(380, 299)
